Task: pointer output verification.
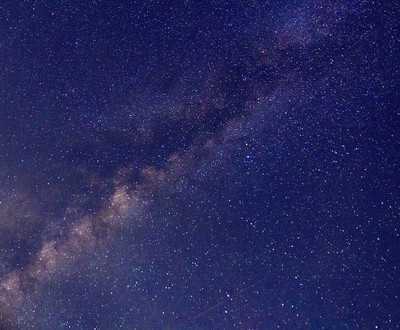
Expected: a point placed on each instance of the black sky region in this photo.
(199, 164)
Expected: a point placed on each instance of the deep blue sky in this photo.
(199, 164)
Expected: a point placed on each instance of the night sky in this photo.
(199, 164)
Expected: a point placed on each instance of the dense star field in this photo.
(202, 164)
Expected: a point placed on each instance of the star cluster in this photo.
(199, 164)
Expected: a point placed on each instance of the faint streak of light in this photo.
(227, 299)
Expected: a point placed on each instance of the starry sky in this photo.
(199, 164)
